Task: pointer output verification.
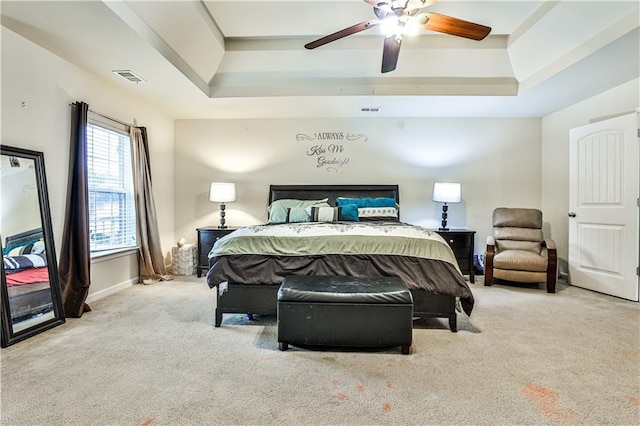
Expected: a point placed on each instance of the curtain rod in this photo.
(110, 118)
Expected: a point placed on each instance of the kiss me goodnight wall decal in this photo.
(330, 150)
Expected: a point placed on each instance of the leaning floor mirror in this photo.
(31, 297)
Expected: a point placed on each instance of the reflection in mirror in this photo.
(31, 301)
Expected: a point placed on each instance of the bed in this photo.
(247, 266)
(27, 275)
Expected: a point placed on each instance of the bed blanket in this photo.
(266, 254)
(302, 239)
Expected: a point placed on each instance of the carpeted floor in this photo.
(149, 355)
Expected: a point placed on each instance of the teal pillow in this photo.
(278, 209)
(349, 212)
(367, 202)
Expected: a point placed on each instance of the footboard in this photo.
(259, 299)
(262, 299)
(430, 305)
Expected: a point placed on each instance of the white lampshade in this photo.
(222, 192)
(447, 192)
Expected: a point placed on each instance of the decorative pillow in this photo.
(35, 248)
(26, 247)
(18, 263)
(298, 214)
(334, 214)
(14, 251)
(367, 202)
(378, 213)
(278, 209)
(349, 213)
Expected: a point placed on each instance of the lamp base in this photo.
(445, 208)
(222, 215)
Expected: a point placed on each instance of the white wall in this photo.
(555, 152)
(19, 185)
(496, 160)
(37, 88)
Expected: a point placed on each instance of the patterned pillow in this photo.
(378, 213)
(334, 214)
(18, 263)
(278, 209)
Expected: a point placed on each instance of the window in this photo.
(112, 212)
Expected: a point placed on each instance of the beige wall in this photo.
(37, 88)
(555, 152)
(496, 160)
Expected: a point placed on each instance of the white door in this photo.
(603, 207)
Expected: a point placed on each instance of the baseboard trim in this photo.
(111, 290)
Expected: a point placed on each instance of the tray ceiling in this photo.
(244, 59)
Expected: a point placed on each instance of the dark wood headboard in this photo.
(23, 237)
(312, 192)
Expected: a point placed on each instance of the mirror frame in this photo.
(10, 337)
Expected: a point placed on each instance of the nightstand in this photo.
(207, 236)
(461, 242)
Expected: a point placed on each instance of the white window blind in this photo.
(112, 215)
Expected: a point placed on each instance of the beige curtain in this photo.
(151, 261)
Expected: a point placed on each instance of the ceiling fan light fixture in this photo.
(391, 27)
(399, 26)
(412, 27)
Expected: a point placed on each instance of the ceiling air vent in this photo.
(130, 76)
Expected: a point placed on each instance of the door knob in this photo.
(572, 214)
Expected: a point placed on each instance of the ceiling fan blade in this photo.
(454, 26)
(390, 53)
(342, 33)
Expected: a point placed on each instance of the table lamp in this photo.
(446, 192)
(222, 192)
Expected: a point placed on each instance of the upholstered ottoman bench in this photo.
(345, 312)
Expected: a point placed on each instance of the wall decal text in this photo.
(331, 155)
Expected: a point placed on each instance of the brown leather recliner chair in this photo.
(517, 250)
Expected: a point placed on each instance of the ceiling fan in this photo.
(399, 18)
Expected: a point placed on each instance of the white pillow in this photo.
(370, 213)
